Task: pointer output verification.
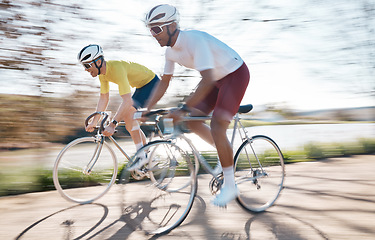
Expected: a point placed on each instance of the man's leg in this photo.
(229, 191)
(231, 91)
(219, 133)
(134, 129)
(201, 128)
(204, 131)
(138, 137)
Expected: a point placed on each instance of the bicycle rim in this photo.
(72, 177)
(161, 202)
(259, 173)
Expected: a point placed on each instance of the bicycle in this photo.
(259, 175)
(86, 168)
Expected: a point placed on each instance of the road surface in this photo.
(327, 199)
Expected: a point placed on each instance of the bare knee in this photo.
(219, 127)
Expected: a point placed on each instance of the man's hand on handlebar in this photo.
(176, 114)
(95, 117)
(91, 126)
(109, 130)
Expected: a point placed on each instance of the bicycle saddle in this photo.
(245, 108)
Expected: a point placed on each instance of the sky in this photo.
(306, 54)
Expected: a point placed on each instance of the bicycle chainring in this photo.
(216, 183)
(139, 174)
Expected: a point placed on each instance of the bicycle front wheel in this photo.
(259, 173)
(85, 170)
(162, 201)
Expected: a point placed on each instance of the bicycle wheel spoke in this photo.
(259, 173)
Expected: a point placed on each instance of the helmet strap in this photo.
(101, 64)
(170, 36)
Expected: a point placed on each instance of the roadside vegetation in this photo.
(16, 180)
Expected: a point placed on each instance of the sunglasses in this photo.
(156, 30)
(89, 65)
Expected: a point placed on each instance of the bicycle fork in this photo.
(90, 165)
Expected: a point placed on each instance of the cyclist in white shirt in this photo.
(225, 77)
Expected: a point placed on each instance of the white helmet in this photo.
(90, 53)
(162, 14)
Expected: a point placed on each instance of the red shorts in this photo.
(225, 98)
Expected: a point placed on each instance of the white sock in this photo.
(229, 177)
(138, 146)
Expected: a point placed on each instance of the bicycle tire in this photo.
(259, 173)
(69, 175)
(161, 202)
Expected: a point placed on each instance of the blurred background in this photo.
(311, 62)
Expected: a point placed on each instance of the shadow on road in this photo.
(67, 220)
(320, 201)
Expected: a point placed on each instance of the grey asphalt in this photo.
(326, 199)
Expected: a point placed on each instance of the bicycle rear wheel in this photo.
(161, 202)
(259, 173)
(85, 170)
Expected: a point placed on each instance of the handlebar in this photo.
(101, 123)
(156, 112)
(159, 112)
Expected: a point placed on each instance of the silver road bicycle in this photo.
(162, 200)
(87, 167)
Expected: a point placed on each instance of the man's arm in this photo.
(159, 91)
(123, 112)
(103, 102)
(204, 87)
(124, 107)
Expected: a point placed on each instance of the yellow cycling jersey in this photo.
(125, 75)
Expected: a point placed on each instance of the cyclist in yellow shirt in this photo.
(125, 75)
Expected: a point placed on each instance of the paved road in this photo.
(329, 199)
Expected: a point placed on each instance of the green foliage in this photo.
(314, 151)
(320, 151)
(17, 180)
(45, 180)
(368, 145)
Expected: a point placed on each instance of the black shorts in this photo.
(141, 95)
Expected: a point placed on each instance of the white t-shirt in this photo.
(201, 51)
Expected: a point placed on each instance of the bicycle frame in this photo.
(101, 138)
(236, 127)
